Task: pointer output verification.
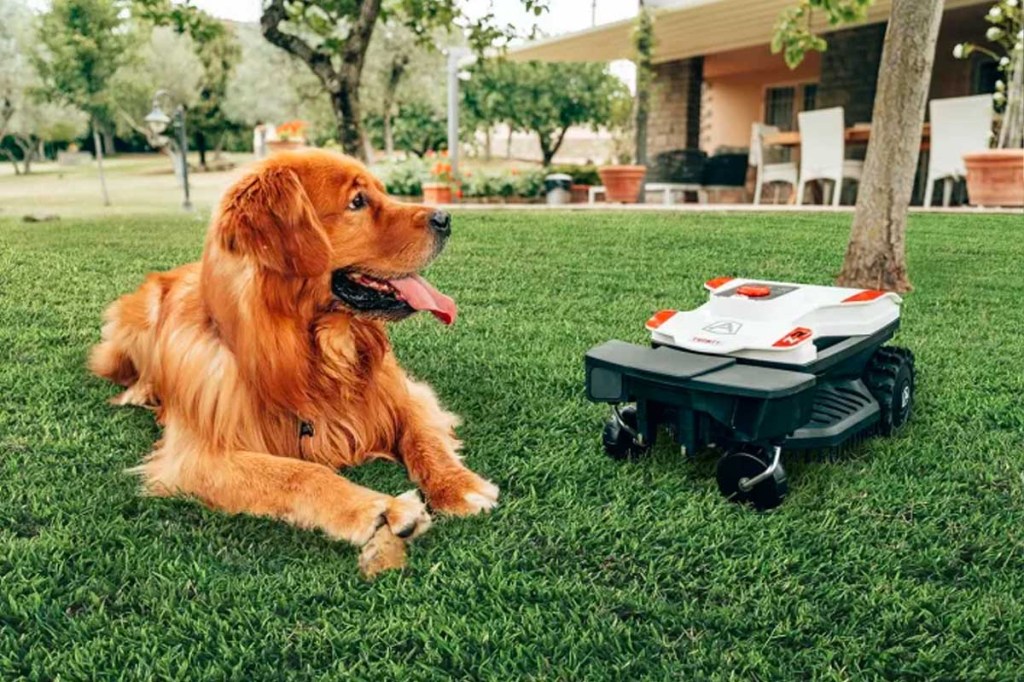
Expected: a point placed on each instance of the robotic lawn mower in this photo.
(761, 367)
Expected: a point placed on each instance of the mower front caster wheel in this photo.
(737, 473)
(619, 437)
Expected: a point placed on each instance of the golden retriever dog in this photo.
(268, 362)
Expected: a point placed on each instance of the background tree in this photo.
(332, 37)
(643, 44)
(403, 73)
(545, 98)
(83, 44)
(218, 50)
(300, 96)
(876, 254)
(165, 60)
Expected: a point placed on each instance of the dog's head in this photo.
(321, 218)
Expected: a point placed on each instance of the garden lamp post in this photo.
(157, 121)
(456, 59)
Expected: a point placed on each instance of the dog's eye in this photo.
(358, 202)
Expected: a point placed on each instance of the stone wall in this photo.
(674, 121)
(849, 71)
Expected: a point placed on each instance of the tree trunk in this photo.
(389, 136)
(27, 150)
(487, 143)
(108, 141)
(99, 162)
(14, 161)
(508, 144)
(876, 255)
(201, 147)
(345, 104)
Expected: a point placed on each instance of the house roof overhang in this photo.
(695, 27)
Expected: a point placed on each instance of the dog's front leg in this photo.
(429, 449)
(302, 493)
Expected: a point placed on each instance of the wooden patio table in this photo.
(859, 133)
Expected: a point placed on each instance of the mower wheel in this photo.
(891, 379)
(736, 468)
(619, 443)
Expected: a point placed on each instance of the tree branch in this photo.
(319, 62)
(358, 41)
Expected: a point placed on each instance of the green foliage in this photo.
(332, 37)
(793, 35)
(585, 174)
(298, 95)
(165, 60)
(417, 128)
(403, 178)
(25, 118)
(543, 98)
(903, 561)
(217, 49)
(84, 43)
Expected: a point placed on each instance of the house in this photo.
(715, 73)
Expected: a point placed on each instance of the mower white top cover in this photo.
(775, 321)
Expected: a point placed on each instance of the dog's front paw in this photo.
(463, 493)
(383, 552)
(407, 515)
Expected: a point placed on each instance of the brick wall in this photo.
(674, 121)
(849, 71)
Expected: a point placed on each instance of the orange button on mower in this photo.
(754, 291)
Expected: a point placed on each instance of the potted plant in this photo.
(624, 181)
(290, 135)
(438, 189)
(995, 177)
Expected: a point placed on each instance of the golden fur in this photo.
(236, 351)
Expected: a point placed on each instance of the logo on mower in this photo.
(724, 328)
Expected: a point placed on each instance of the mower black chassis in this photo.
(736, 402)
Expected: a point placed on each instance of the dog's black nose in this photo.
(441, 223)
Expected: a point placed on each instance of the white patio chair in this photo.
(768, 173)
(959, 125)
(823, 152)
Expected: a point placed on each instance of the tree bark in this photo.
(99, 161)
(487, 144)
(201, 147)
(398, 67)
(876, 254)
(14, 161)
(549, 148)
(27, 150)
(108, 141)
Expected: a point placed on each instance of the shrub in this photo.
(529, 183)
(403, 178)
(585, 174)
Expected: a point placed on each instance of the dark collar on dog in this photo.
(305, 431)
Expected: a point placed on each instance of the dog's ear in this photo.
(269, 216)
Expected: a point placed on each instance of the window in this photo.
(810, 97)
(783, 102)
(779, 109)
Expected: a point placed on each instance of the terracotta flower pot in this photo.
(622, 184)
(437, 193)
(995, 177)
(285, 145)
(579, 193)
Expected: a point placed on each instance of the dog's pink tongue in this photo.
(421, 295)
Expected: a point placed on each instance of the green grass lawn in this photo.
(906, 560)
